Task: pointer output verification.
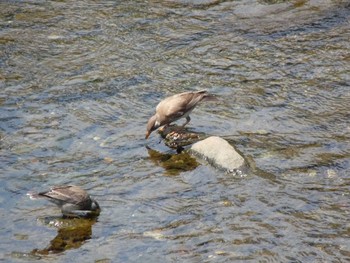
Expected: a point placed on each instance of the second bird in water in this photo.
(73, 201)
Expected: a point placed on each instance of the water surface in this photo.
(79, 79)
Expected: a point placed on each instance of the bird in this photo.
(73, 201)
(176, 107)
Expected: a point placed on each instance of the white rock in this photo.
(219, 153)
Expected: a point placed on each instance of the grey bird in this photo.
(176, 107)
(73, 201)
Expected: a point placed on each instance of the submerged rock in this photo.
(173, 163)
(71, 234)
(219, 153)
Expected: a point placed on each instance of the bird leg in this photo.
(188, 119)
(161, 129)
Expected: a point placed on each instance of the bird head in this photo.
(95, 206)
(152, 125)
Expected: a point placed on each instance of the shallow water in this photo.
(79, 80)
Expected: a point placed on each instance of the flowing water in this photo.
(79, 80)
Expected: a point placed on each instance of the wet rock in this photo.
(177, 137)
(219, 153)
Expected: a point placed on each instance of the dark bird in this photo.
(73, 201)
(176, 107)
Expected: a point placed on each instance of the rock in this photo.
(173, 163)
(176, 137)
(219, 153)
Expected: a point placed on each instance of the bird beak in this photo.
(147, 135)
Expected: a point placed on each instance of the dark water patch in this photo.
(330, 20)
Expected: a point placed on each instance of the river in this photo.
(79, 80)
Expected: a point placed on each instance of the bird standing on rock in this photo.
(73, 201)
(176, 107)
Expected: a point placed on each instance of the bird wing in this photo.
(66, 194)
(176, 106)
(195, 98)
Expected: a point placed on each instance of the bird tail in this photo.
(207, 96)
